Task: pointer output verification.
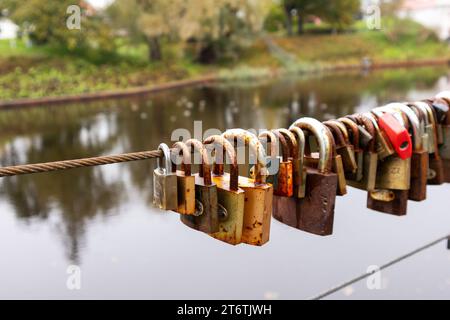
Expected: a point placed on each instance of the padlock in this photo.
(436, 173)
(165, 191)
(230, 196)
(338, 166)
(352, 127)
(440, 109)
(370, 156)
(207, 218)
(419, 159)
(299, 166)
(258, 194)
(284, 202)
(272, 160)
(185, 179)
(343, 146)
(384, 147)
(393, 173)
(315, 212)
(444, 149)
(394, 125)
(425, 126)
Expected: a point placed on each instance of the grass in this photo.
(31, 72)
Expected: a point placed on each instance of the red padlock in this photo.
(397, 134)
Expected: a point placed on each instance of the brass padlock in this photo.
(185, 179)
(436, 173)
(383, 145)
(207, 218)
(230, 196)
(370, 157)
(284, 202)
(258, 194)
(299, 166)
(392, 183)
(419, 160)
(343, 146)
(165, 192)
(315, 212)
(353, 129)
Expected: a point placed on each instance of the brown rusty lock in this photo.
(284, 202)
(230, 196)
(258, 194)
(299, 165)
(315, 213)
(352, 127)
(185, 179)
(419, 160)
(343, 146)
(207, 220)
(338, 166)
(436, 164)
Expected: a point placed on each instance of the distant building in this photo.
(8, 29)
(434, 14)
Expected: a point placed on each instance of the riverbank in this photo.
(35, 76)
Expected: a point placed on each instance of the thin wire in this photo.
(77, 163)
(387, 265)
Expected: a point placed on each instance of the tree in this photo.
(340, 14)
(45, 23)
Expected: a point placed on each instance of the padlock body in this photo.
(436, 174)
(419, 175)
(397, 206)
(208, 221)
(285, 185)
(230, 229)
(257, 211)
(347, 154)
(165, 190)
(316, 211)
(369, 176)
(394, 173)
(445, 152)
(285, 210)
(299, 178)
(186, 193)
(341, 188)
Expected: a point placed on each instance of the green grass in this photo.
(43, 71)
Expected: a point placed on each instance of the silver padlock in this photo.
(165, 190)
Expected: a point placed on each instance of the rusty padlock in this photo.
(207, 218)
(370, 156)
(230, 196)
(299, 166)
(258, 194)
(343, 146)
(436, 172)
(352, 128)
(165, 192)
(284, 202)
(185, 179)
(315, 212)
(444, 149)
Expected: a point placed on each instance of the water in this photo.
(101, 219)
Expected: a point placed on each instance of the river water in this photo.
(101, 220)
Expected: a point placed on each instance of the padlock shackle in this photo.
(445, 95)
(349, 124)
(164, 163)
(414, 123)
(423, 108)
(205, 167)
(284, 146)
(337, 134)
(343, 130)
(321, 133)
(426, 104)
(301, 141)
(255, 146)
(292, 142)
(271, 141)
(221, 146)
(181, 148)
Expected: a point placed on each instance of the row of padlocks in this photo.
(392, 152)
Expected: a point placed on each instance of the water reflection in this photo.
(73, 131)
